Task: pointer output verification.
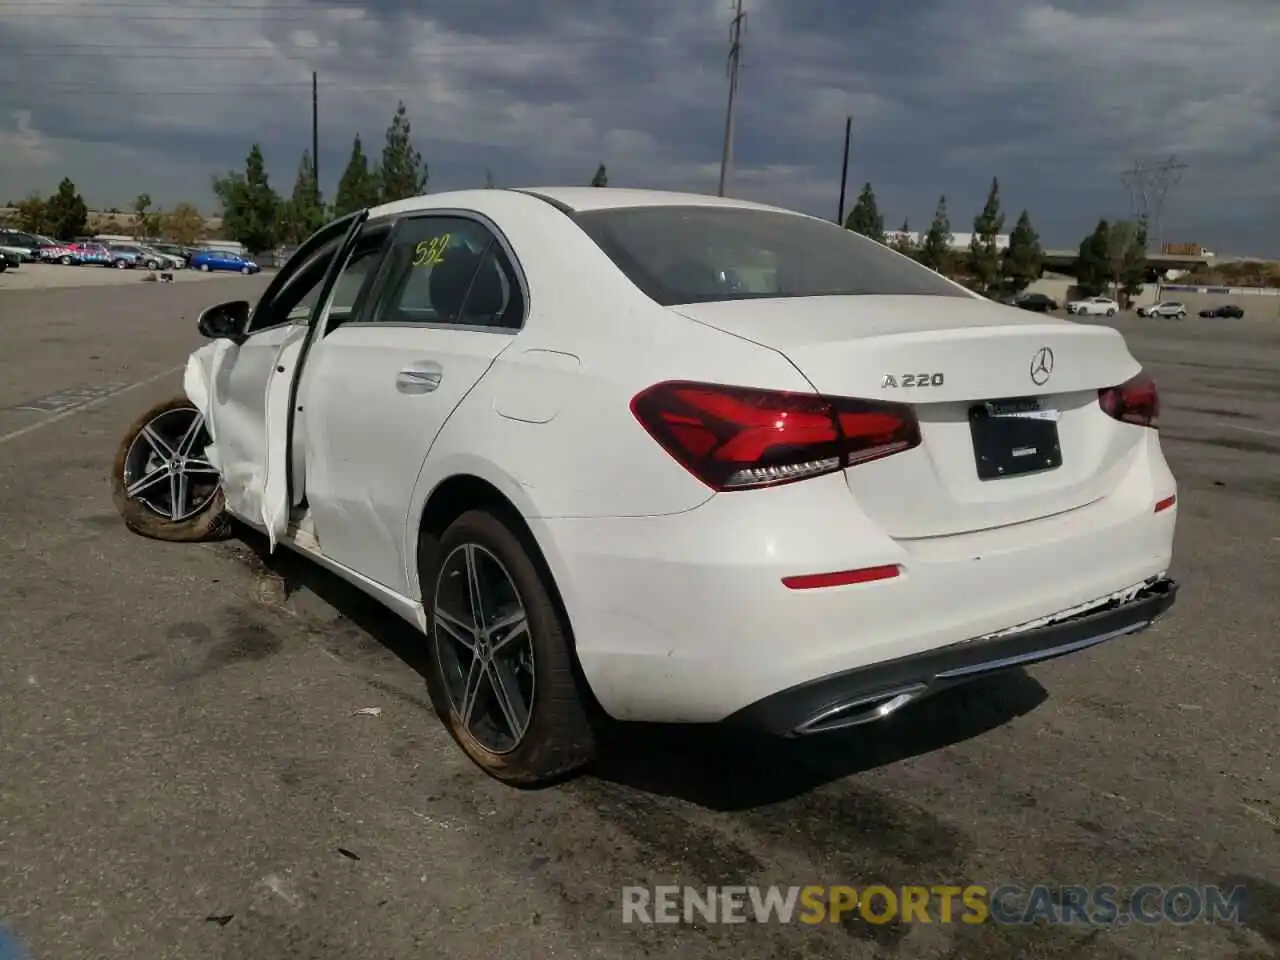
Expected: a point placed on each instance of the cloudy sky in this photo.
(1056, 99)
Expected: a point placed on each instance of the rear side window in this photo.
(450, 270)
(691, 254)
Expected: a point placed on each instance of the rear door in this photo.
(380, 385)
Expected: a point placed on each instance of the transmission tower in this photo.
(1148, 185)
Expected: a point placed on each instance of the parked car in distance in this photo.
(1093, 307)
(1166, 310)
(208, 260)
(27, 245)
(96, 254)
(126, 256)
(181, 255)
(551, 430)
(1035, 302)
(1227, 310)
(11, 259)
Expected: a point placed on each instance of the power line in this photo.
(238, 51)
(735, 57)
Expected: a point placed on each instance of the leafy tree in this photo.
(1025, 257)
(402, 174)
(183, 225)
(935, 250)
(902, 240)
(601, 179)
(66, 213)
(33, 214)
(145, 222)
(986, 259)
(1093, 262)
(303, 213)
(250, 207)
(1127, 257)
(865, 218)
(358, 187)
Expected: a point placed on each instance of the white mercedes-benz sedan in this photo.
(664, 457)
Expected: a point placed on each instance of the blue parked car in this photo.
(207, 260)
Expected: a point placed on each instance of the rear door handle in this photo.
(421, 377)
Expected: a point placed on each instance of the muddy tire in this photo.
(509, 692)
(161, 484)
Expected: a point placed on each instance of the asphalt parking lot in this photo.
(45, 276)
(183, 771)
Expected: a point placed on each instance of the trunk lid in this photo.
(950, 358)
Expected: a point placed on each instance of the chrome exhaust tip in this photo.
(863, 710)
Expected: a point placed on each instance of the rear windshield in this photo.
(703, 254)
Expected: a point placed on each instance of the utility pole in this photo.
(735, 56)
(315, 135)
(844, 168)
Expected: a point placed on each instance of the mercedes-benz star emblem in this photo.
(1042, 366)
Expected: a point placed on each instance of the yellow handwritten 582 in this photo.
(430, 251)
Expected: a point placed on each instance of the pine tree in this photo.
(601, 179)
(985, 257)
(865, 218)
(250, 207)
(1093, 266)
(65, 212)
(1025, 257)
(402, 173)
(304, 213)
(935, 250)
(358, 188)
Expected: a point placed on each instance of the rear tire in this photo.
(204, 267)
(548, 733)
(145, 488)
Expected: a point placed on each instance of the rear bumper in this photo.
(855, 697)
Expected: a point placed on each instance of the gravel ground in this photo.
(182, 775)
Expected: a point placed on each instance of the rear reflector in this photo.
(1134, 401)
(1166, 503)
(812, 581)
(735, 438)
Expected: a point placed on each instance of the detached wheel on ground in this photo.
(501, 672)
(161, 482)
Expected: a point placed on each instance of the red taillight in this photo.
(734, 438)
(1134, 401)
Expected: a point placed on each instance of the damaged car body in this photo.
(604, 481)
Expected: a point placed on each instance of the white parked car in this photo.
(1094, 307)
(1167, 310)
(664, 457)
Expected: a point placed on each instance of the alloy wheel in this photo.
(165, 468)
(483, 647)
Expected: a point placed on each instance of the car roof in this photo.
(577, 199)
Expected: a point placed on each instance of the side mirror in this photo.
(225, 321)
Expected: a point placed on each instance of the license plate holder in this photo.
(1014, 437)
